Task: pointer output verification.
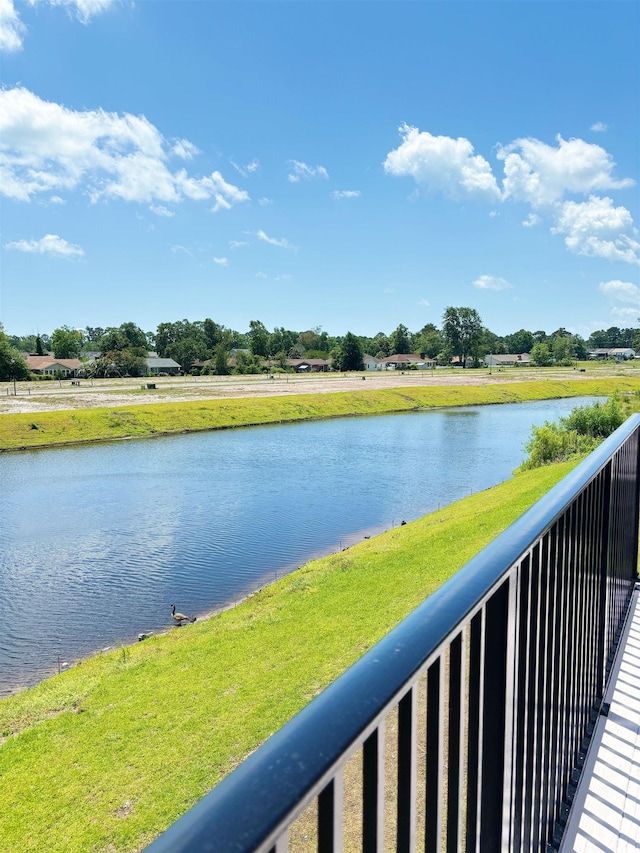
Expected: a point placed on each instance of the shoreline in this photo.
(68, 427)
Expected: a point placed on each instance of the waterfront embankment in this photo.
(37, 429)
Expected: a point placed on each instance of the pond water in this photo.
(99, 541)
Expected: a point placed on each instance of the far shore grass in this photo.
(48, 429)
(105, 756)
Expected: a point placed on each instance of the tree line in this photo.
(122, 349)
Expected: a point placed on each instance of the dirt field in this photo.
(59, 395)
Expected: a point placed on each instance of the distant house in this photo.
(598, 354)
(508, 360)
(401, 361)
(619, 353)
(309, 365)
(371, 362)
(156, 366)
(48, 365)
(622, 353)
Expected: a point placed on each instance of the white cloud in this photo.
(237, 244)
(599, 127)
(263, 202)
(11, 27)
(424, 302)
(46, 147)
(223, 262)
(532, 220)
(184, 149)
(177, 248)
(442, 164)
(623, 291)
(625, 316)
(302, 172)
(491, 282)
(50, 244)
(541, 174)
(597, 229)
(84, 9)
(13, 30)
(345, 194)
(273, 241)
(161, 210)
(249, 169)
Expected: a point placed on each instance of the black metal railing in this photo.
(465, 727)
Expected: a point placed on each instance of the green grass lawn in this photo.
(23, 431)
(108, 754)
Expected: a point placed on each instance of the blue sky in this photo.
(349, 165)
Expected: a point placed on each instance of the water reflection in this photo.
(98, 541)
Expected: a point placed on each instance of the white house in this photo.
(48, 365)
(401, 361)
(508, 360)
(156, 366)
(619, 353)
(371, 362)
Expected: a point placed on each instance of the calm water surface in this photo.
(98, 541)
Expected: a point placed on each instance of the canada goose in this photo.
(179, 618)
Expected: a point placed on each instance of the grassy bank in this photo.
(46, 429)
(105, 756)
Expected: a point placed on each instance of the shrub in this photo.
(577, 433)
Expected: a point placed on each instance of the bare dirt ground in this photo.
(62, 394)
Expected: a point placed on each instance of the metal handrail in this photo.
(519, 642)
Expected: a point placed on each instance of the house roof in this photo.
(161, 362)
(40, 362)
(296, 362)
(402, 358)
(509, 356)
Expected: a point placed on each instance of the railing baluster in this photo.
(474, 746)
(407, 771)
(493, 719)
(433, 810)
(373, 791)
(330, 809)
(455, 743)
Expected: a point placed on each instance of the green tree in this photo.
(12, 365)
(247, 363)
(92, 336)
(381, 346)
(519, 342)
(258, 338)
(541, 355)
(429, 340)
(39, 347)
(351, 353)
(400, 340)
(221, 360)
(562, 351)
(462, 330)
(579, 346)
(213, 334)
(314, 339)
(66, 342)
(186, 351)
(134, 336)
